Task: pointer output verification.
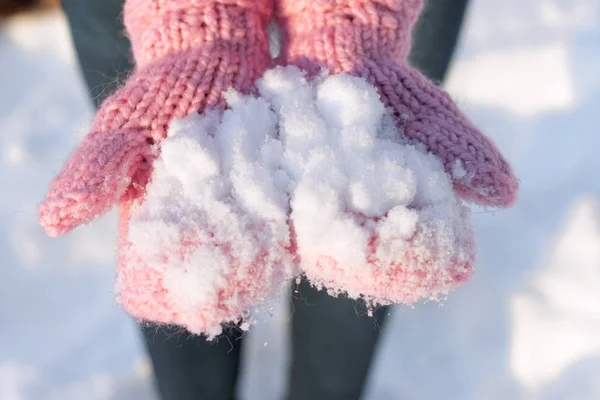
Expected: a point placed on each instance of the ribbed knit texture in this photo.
(371, 39)
(188, 53)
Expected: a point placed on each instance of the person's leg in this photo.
(102, 48)
(435, 37)
(333, 341)
(185, 366)
(189, 368)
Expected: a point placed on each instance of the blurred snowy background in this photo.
(526, 327)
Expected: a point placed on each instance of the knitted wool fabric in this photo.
(371, 39)
(188, 52)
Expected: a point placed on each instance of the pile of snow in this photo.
(375, 216)
(214, 221)
(325, 152)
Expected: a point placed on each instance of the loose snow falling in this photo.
(525, 327)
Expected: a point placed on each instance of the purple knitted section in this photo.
(371, 39)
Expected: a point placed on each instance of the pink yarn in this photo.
(425, 266)
(188, 52)
(183, 68)
(371, 39)
(142, 293)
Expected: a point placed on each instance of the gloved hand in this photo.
(188, 52)
(370, 39)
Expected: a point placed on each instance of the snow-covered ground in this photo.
(526, 327)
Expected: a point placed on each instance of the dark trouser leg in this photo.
(99, 37)
(186, 367)
(435, 37)
(333, 341)
(189, 368)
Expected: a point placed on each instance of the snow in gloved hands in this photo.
(322, 158)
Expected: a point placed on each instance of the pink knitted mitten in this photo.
(188, 52)
(370, 39)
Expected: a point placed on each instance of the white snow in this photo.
(537, 79)
(524, 328)
(560, 303)
(217, 203)
(320, 146)
(356, 178)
